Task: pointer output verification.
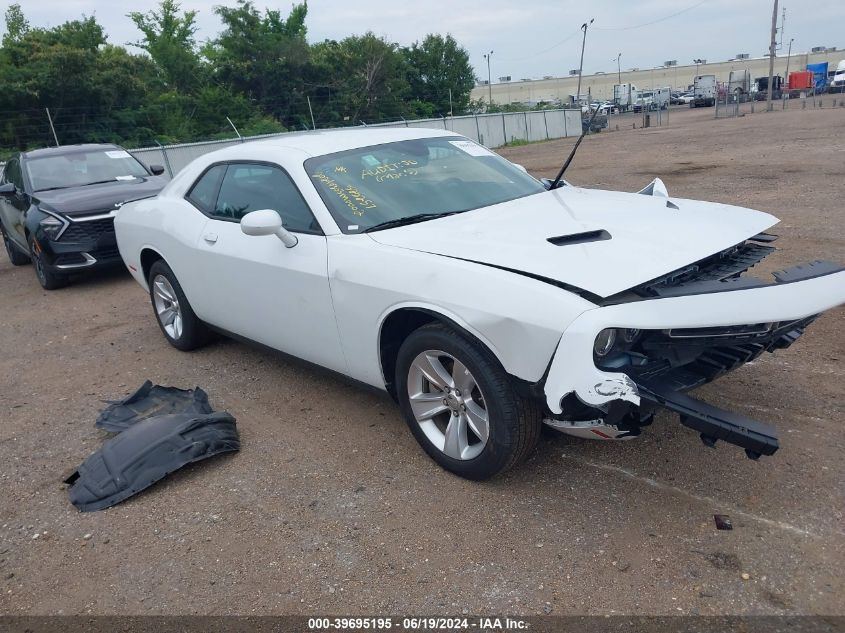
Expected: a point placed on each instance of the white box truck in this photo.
(625, 96)
(705, 92)
(662, 97)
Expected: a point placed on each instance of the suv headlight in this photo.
(52, 227)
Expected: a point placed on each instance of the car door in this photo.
(13, 206)
(256, 287)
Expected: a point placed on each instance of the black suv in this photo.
(57, 206)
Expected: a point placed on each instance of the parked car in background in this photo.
(486, 302)
(686, 98)
(57, 207)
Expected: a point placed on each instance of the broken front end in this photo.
(645, 348)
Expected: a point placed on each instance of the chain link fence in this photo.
(490, 130)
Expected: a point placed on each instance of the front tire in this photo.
(461, 405)
(177, 320)
(15, 255)
(48, 279)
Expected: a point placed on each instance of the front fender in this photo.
(518, 318)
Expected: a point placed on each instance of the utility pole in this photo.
(772, 46)
(788, 55)
(581, 67)
(619, 68)
(489, 78)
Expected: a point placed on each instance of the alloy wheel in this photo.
(39, 265)
(447, 403)
(167, 307)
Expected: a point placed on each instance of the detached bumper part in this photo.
(712, 422)
(146, 452)
(151, 400)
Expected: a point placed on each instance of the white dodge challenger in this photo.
(486, 302)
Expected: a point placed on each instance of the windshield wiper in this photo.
(98, 182)
(411, 219)
(51, 189)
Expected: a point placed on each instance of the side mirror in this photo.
(8, 189)
(267, 222)
(520, 168)
(156, 170)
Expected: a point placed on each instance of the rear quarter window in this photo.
(203, 193)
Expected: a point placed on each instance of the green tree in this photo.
(169, 40)
(16, 23)
(265, 56)
(365, 77)
(437, 66)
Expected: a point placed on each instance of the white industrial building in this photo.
(678, 77)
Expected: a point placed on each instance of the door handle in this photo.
(211, 238)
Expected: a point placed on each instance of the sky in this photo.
(529, 38)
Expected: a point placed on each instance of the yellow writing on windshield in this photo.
(391, 171)
(352, 198)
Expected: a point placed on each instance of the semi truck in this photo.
(705, 92)
(739, 84)
(820, 72)
(800, 81)
(763, 88)
(625, 96)
(837, 84)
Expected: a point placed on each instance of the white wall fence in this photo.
(491, 130)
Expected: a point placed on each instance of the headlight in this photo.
(52, 227)
(604, 342)
(630, 335)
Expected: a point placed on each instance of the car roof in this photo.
(320, 142)
(63, 150)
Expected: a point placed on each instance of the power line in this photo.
(545, 50)
(638, 26)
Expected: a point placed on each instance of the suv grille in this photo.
(91, 230)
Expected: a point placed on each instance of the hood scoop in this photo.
(580, 238)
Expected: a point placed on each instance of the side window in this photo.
(204, 192)
(251, 187)
(13, 173)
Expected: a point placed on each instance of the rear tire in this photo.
(48, 279)
(180, 325)
(451, 386)
(16, 256)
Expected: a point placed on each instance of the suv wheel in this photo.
(15, 255)
(460, 404)
(177, 320)
(48, 279)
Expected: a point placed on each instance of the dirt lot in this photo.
(331, 507)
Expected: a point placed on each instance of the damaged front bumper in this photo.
(800, 293)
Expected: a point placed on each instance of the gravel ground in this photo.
(331, 507)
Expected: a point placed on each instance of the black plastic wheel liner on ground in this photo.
(146, 452)
(149, 401)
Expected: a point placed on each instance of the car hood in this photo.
(99, 198)
(629, 238)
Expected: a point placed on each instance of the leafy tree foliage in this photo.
(437, 67)
(169, 40)
(260, 71)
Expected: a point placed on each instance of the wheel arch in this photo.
(149, 256)
(395, 326)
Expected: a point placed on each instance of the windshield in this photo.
(383, 183)
(83, 168)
